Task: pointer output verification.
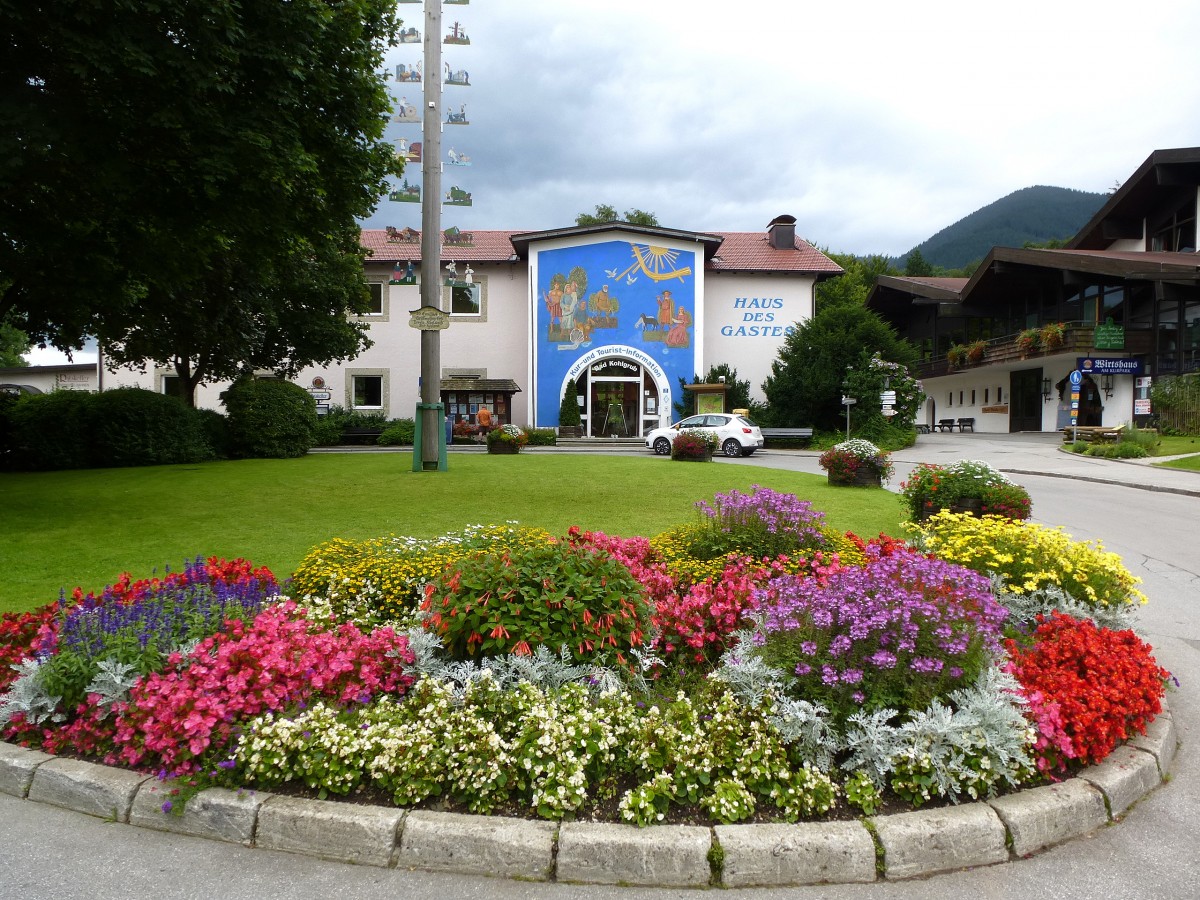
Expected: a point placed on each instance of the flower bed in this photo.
(766, 668)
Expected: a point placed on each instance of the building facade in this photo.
(622, 313)
(1125, 291)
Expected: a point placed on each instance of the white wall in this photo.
(747, 318)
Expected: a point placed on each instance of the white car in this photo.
(736, 435)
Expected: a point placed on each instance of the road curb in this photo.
(902, 846)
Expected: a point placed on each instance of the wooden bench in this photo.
(964, 424)
(945, 425)
(787, 435)
(922, 428)
(361, 435)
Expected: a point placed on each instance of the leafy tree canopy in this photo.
(13, 344)
(855, 283)
(605, 214)
(808, 378)
(182, 180)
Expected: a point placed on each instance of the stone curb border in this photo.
(905, 845)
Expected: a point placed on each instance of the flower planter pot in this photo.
(500, 447)
(865, 477)
(707, 457)
(970, 505)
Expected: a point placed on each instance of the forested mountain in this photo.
(1033, 214)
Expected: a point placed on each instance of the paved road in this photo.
(1153, 853)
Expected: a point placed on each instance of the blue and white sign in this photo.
(1100, 365)
(1076, 378)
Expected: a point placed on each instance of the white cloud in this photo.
(875, 124)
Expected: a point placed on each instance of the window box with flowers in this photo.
(857, 462)
(1029, 340)
(1053, 335)
(975, 351)
(506, 439)
(694, 445)
(956, 356)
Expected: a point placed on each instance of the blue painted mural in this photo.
(612, 293)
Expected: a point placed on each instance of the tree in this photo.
(853, 286)
(916, 266)
(605, 214)
(808, 378)
(13, 344)
(192, 173)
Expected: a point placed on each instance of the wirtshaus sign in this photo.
(608, 301)
(1101, 365)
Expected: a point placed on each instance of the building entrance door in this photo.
(1025, 400)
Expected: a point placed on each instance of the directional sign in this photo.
(1076, 378)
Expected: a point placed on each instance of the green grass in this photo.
(63, 529)
(1175, 444)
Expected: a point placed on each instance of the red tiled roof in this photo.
(750, 251)
(485, 246)
(739, 252)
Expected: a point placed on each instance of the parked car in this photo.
(736, 435)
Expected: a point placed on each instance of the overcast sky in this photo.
(875, 124)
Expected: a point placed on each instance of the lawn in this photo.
(85, 527)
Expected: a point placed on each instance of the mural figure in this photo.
(460, 77)
(604, 305)
(410, 74)
(457, 35)
(665, 308)
(553, 299)
(678, 337)
(406, 113)
(458, 159)
(457, 118)
(409, 36)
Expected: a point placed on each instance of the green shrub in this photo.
(50, 431)
(568, 410)
(135, 427)
(560, 595)
(541, 437)
(399, 433)
(1121, 450)
(269, 419)
(215, 429)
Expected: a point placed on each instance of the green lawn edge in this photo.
(84, 528)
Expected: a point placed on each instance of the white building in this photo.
(624, 311)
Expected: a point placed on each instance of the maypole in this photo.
(431, 413)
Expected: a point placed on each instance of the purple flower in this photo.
(167, 806)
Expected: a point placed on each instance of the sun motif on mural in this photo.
(657, 263)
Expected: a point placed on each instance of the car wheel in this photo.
(662, 446)
(732, 447)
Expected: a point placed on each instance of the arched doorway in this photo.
(625, 393)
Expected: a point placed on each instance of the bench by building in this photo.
(787, 435)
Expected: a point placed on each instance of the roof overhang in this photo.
(710, 242)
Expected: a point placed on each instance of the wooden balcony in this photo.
(1077, 342)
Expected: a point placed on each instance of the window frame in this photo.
(352, 376)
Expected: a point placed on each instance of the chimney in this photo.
(781, 233)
